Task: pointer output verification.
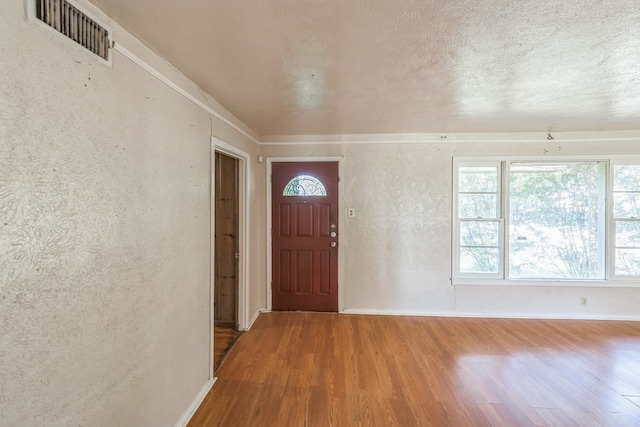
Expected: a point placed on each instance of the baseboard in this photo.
(255, 317)
(186, 416)
(574, 316)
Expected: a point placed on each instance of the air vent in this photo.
(68, 20)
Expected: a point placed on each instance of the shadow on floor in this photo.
(223, 340)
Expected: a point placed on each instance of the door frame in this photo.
(341, 240)
(217, 145)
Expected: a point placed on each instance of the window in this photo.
(546, 220)
(626, 217)
(304, 185)
(480, 222)
(556, 220)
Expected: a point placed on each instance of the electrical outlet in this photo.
(351, 213)
(583, 301)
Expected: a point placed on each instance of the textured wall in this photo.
(104, 237)
(397, 250)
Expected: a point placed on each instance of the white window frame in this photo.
(611, 243)
(499, 218)
(608, 249)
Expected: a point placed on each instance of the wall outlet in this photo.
(583, 301)
(351, 213)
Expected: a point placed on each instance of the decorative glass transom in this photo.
(304, 185)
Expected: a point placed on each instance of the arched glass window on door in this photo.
(304, 185)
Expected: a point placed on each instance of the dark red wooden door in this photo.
(305, 236)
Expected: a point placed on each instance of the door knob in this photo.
(334, 244)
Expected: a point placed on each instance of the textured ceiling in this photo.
(403, 66)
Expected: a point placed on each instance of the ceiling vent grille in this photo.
(74, 24)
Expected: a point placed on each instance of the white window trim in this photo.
(500, 218)
(611, 226)
(479, 279)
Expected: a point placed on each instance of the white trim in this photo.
(186, 416)
(456, 220)
(243, 224)
(607, 226)
(270, 161)
(377, 312)
(255, 317)
(269, 234)
(212, 276)
(31, 17)
(439, 138)
(613, 221)
(465, 281)
(157, 74)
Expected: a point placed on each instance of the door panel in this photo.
(305, 220)
(305, 264)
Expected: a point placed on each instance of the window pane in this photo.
(628, 262)
(555, 221)
(479, 233)
(478, 179)
(626, 205)
(626, 178)
(477, 206)
(479, 260)
(304, 186)
(628, 233)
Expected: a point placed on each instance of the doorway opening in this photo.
(226, 255)
(229, 266)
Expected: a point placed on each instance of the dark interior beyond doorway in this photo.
(223, 340)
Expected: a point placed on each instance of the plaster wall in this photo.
(397, 249)
(104, 234)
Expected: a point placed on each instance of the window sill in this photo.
(618, 283)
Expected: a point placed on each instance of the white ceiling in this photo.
(316, 67)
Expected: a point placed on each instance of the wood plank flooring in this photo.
(223, 339)
(318, 369)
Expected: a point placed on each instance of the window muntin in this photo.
(480, 233)
(480, 246)
(480, 224)
(478, 192)
(304, 186)
(480, 260)
(626, 219)
(596, 201)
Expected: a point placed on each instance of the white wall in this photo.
(397, 250)
(104, 234)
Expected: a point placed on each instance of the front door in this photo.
(305, 236)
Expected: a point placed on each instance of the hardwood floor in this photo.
(316, 369)
(223, 339)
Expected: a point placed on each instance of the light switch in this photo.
(351, 213)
